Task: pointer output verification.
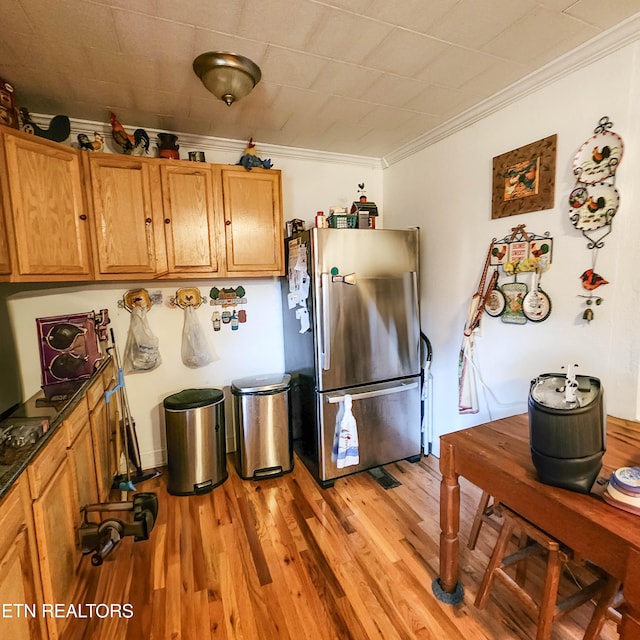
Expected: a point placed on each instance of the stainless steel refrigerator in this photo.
(351, 327)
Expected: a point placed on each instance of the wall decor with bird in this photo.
(594, 201)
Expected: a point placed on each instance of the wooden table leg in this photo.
(449, 523)
(630, 624)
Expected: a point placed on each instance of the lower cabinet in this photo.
(81, 452)
(19, 572)
(82, 459)
(40, 554)
(55, 514)
(103, 453)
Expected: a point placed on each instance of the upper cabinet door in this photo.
(5, 256)
(46, 208)
(127, 210)
(254, 231)
(189, 218)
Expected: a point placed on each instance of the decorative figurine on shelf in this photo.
(58, 131)
(168, 147)
(367, 212)
(8, 108)
(136, 144)
(97, 144)
(249, 159)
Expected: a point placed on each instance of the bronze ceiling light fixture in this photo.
(227, 75)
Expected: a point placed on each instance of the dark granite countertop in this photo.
(37, 407)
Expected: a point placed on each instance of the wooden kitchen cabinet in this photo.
(128, 222)
(190, 217)
(5, 255)
(103, 447)
(55, 509)
(80, 451)
(66, 214)
(19, 571)
(44, 207)
(254, 234)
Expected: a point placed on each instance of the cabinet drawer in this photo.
(77, 420)
(41, 470)
(95, 392)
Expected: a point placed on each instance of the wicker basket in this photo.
(342, 221)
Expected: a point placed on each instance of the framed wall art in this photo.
(524, 179)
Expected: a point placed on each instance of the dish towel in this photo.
(345, 441)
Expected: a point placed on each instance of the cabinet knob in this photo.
(148, 220)
(227, 222)
(83, 216)
(167, 220)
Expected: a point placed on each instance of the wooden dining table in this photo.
(496, 457)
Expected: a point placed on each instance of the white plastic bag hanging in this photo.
(195, 350)
(141, 352)
(346, 451)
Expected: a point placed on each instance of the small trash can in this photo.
(196, 449)
(263, 433)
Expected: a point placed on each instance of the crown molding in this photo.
(220, 145)
(623, 34)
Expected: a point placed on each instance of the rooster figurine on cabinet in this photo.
(136, 144)
(58, 130)
(84, 142)
(250, 159)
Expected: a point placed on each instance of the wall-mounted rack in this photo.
(227, 297)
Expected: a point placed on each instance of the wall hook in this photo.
(136, 298)
(188, 297)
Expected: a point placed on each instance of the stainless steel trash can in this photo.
(196, 449)
(263, 433)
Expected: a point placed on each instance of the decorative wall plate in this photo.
(598, 157)
(494, 303)
(593, 206)
(536, 305)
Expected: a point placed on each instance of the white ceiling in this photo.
(362, 77)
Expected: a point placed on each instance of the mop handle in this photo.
(109, 392)
(120, 385)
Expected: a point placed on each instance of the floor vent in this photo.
(384, 478)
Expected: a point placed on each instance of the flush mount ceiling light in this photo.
(227, 75)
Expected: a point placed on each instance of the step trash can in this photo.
(263, 432)
(196, 448)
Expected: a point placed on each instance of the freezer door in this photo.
(369, 329)
(388, 423)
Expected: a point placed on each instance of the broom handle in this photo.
(127, 419)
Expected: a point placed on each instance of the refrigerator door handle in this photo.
(333, 398)
(326, 322)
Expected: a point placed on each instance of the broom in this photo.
(129, 435)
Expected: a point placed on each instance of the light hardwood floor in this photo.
(282, 559)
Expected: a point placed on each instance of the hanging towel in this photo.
(345, 440)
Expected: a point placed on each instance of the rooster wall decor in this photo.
(136, 144)
(594, 200)
(58, 130)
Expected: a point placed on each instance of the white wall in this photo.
(257, 347)
(446, 190)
